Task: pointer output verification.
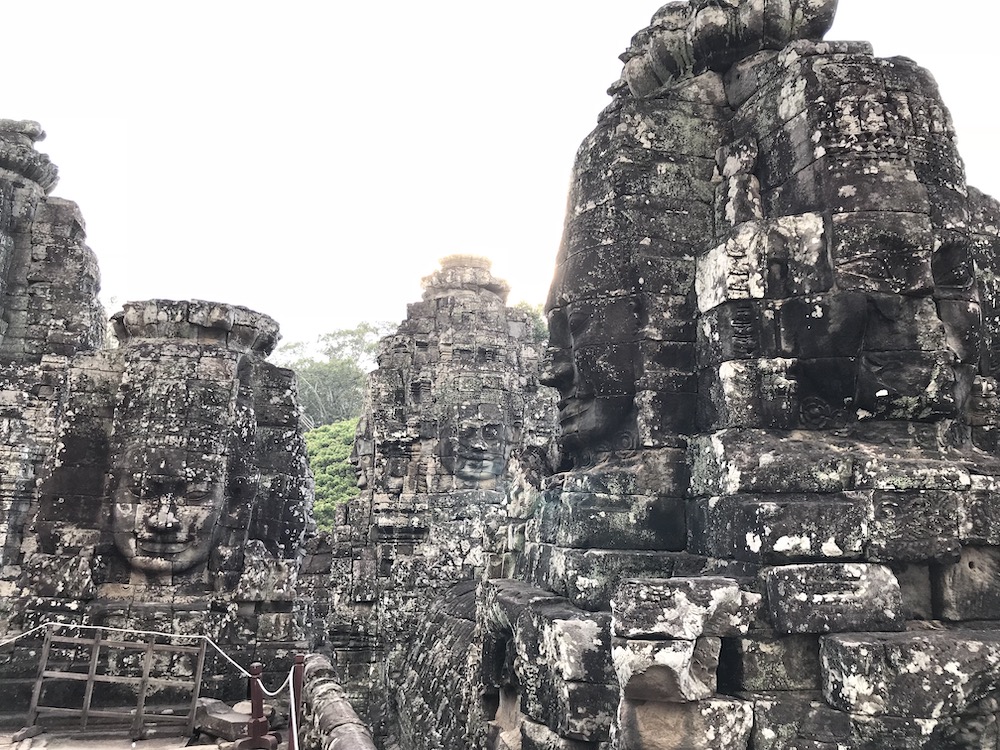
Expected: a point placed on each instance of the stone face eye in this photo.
(578, 323)
(198, 491)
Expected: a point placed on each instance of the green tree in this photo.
(331, 371)
(329, 450)
(539, 329)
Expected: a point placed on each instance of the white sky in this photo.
(313, 160)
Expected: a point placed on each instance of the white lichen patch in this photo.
(830, 548)
(793, 544)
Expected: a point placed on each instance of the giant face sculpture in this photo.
(473, 445)
(165, 512)
(184, 476)
(592, 355)
(848, 297)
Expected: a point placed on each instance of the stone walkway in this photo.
(79, 741)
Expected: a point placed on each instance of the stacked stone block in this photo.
(772, 327)
(48, 298)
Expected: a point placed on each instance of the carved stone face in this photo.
(164, 514)
(474, 450)
(592, 353)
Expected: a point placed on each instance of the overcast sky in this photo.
(314, 160)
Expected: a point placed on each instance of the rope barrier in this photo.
(155, 633)
(279, 689)
(25, 634)
(287, 684)
(292, 708)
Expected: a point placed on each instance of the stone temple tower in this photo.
(773, 328)
(160, 484)
(454, 417)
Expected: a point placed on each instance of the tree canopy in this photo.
(331, 371)
(329, 449)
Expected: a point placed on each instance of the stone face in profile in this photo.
(593, 350)
(774, 325)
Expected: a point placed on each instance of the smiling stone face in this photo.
(164, 513)
(474, 447)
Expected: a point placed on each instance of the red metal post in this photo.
(298, 675)
(258, 735)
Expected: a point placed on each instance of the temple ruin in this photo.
(745, 497)
(455, 423)
(157, 485)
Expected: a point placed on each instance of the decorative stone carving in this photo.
(159, 485)
(177, 495)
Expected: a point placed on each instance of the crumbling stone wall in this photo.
(454, 418)
(772, 327)
(48, 312)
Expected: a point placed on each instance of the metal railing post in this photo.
(298, 672)
(258, 730)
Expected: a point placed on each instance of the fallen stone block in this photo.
(219, 719)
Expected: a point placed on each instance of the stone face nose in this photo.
(558, 370)
(163, 516)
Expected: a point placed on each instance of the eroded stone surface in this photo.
(833, 598)
(920, 675)
(672, 671)
(713, 724)
(682, 608)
